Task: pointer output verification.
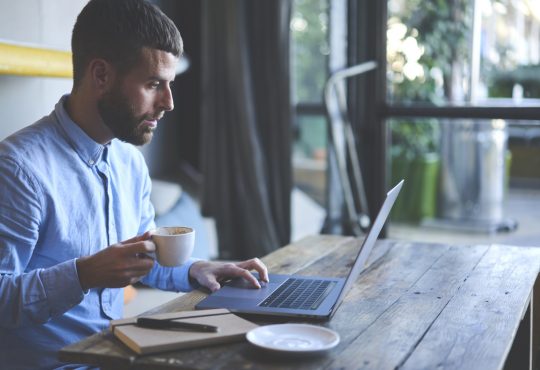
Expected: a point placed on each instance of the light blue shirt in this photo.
(63, 196)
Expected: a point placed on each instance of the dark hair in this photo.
(117, 30)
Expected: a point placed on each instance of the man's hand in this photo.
(117, 265)
(210, 274)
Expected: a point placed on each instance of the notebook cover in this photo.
(147, 341)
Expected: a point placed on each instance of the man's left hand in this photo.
(210, 274)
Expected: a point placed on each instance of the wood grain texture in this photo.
(417, 306)
(400, 324)
(101, 348)
(488, 307)
(535, 317)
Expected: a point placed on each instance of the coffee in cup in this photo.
(174, 244)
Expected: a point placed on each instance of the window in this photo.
(457, 52)
(309, 60)
(459, 69)
(462, 80)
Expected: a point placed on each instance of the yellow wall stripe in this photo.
(33, 61)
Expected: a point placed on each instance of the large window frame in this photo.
(370, 109)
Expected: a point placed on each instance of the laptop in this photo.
(307, 297)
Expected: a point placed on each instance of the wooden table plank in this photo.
(334, 263)
(416, 306)
(307, 251)
(535, 332)
(102, 349)
(342, 259)
(476, 327)
(390, 337)
(328, 258)
(378, 288)
(381, 286)
(99, 346)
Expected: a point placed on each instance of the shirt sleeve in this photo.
(174, 279)
(28, 297)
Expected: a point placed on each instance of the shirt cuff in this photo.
(181, 279)
(62, 287)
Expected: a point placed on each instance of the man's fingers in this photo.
(257, 265)
(137, 238)
(234, 270)
(209, 273)
(145, 246)
(142, 264)
(211, 283)
(115, 266)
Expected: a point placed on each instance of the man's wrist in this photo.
(191, 275)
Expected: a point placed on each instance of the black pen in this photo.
(146, 322)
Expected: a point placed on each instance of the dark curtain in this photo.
(246, 133)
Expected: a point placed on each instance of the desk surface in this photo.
(417, 306)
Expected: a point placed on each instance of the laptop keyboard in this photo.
(296, 293)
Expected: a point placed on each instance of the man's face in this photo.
(137, 100)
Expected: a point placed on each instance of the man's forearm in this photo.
(37, 296)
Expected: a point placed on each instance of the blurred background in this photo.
(262, 150)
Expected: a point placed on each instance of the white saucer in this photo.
(293, 338)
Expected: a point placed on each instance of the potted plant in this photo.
(414, 156)
(426, 42)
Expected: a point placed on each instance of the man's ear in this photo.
(102, 74)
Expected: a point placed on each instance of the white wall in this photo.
(49, 23)
(24, 100)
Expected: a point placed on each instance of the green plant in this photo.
(414, 156)
(439, 30)
(412, 139)
(426, 42)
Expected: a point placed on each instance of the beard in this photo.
(119, 116)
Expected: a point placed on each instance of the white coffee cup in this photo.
(174, 244)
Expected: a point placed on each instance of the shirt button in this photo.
(91, 162)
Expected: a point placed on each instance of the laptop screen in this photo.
(369, 241)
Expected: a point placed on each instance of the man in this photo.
(75, 192)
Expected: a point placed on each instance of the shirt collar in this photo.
(88, 150)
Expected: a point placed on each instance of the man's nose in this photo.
(167, 101)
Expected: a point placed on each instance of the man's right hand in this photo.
(117, 265)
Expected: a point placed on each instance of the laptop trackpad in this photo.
(241, 288)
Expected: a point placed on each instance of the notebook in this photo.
(145, 341)
(299, 296)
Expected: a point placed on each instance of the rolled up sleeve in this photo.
(174, 279)
(28, 297)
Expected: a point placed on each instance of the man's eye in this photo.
(154, 85)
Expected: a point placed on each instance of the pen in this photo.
(145, 322)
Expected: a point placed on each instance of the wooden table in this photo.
(417, 306)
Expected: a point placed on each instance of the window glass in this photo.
(466, 180)
(309, 68)
(463, 52)
(309, 159)
(311, 138)
(310, 49)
